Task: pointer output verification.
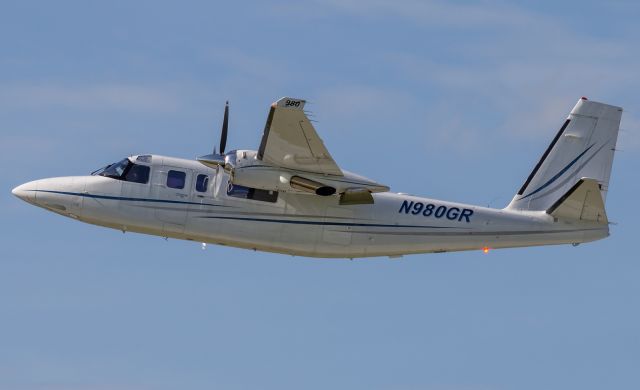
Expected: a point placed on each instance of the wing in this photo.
(290, 141)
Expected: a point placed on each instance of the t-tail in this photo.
(572, 178)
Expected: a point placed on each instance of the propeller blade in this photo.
(225, 128)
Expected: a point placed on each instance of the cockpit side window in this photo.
(115, 170)
(138, 174)
(125, 170)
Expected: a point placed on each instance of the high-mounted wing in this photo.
(290, 141)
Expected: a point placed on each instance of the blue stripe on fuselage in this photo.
(550, 181)
(110, 197)
(324, 223)
(286, 221)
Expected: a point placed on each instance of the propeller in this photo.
(215, 159)
(225, 128)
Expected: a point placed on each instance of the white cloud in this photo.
(428, 12)
(352, 102)
(247, 64)
(528, 73)
(102, 97)
(629, 138)
(523, 69)
(76, 386)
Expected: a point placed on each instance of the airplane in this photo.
(291, 197)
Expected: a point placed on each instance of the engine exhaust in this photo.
(310, 186)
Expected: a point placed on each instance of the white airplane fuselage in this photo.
(290, 196)
(297, 224)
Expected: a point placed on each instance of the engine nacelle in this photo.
(246, 170)
(276, 179)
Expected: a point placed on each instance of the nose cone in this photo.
(62, 195)
(26, 191)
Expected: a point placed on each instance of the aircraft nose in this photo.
(62, 195)
(26, 191)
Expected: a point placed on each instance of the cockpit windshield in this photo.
(125, 170)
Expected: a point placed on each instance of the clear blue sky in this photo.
(449, 100)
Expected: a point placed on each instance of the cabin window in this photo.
(237, 191)
(176, 179)
(137, 174)
(202, 182)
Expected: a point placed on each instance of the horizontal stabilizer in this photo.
(582, 202)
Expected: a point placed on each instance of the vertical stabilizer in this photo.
(583, 148)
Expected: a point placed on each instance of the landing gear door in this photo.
(171, 187)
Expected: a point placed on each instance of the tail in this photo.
(578, 161)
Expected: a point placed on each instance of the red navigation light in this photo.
(485, 249)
